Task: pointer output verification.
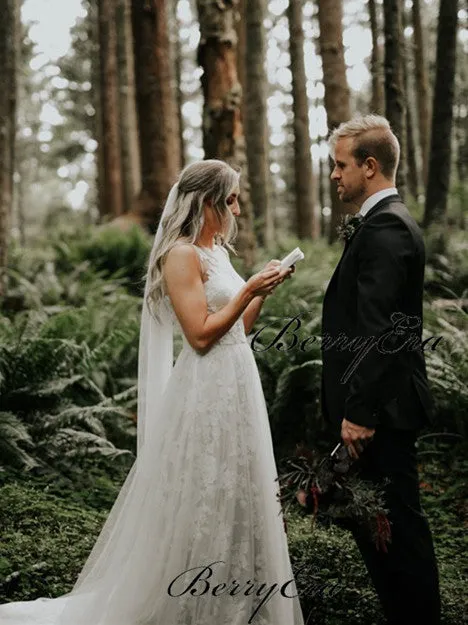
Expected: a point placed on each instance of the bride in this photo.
(196, 535)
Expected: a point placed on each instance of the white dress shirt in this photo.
(375, 199)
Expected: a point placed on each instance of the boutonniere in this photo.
(348, 226)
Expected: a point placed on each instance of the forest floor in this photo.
(49, 525)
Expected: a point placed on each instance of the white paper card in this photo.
(292, 258)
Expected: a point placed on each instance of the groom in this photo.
(381, 394)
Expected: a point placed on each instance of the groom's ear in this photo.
(372, 166)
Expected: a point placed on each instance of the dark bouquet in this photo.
(335, 491)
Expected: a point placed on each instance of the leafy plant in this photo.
(67, 385)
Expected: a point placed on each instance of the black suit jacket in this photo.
(377, 291)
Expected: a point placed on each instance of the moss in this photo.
(45, 542)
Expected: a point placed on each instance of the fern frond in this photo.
(12, 434)
(73, 443)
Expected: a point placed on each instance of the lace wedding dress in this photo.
(200, 539)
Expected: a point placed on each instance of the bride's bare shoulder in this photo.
(183, 256)
(182, 249)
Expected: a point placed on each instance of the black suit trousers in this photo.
(406, 577)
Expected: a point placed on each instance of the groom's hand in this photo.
(301, 497)
(352, 434)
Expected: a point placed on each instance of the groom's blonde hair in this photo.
(373, 136)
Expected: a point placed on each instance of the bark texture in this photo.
(131, 171)
(306, 226)
(337, 94)
(378, 92)
(111, 141)
(442, 117)
(156, 107)
(8, 104)
(422, 90)
(395, 102)
(256, 124)
(223, 133)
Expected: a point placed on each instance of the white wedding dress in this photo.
(204, 494)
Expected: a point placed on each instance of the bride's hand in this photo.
(263, 282)
(286, 273)
(272, 263)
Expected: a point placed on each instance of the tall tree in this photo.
(9, 25)
(256, 123)
(412, 172)
(337, 94)
(413, 177)
(111, 142)
(322, 196)
(378, 92)
(223, 133)
(442, 116)
(156, 106)
(422, 87)
(131, 171)
(176, 55)
(307, 226)
(461, 133)
(27, 148)
(96, 88)
(395, 104)
(241, 50)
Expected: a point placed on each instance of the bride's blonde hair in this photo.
(210, 180)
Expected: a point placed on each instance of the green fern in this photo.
(51, 383)
(70, 444)
(13, 434)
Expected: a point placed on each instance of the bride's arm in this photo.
(252, 311)
(184, 284)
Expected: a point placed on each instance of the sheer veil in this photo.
(155, 356)
(97, 581)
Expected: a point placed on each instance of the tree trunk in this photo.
(322, 198)
(97, 119)
(223, 133)
(395, 104)
(131, 172)
(412, 169)
(241, 29)
(422, 88)
(8, 102)
(113, 191)
(441, 135)
(176, 48)
(412, 179)
(378, 92)
(20, 189)
(156, 107)
(462, 147)
(337, 95)
(256, 124)
(21, 165)
(306, 226)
